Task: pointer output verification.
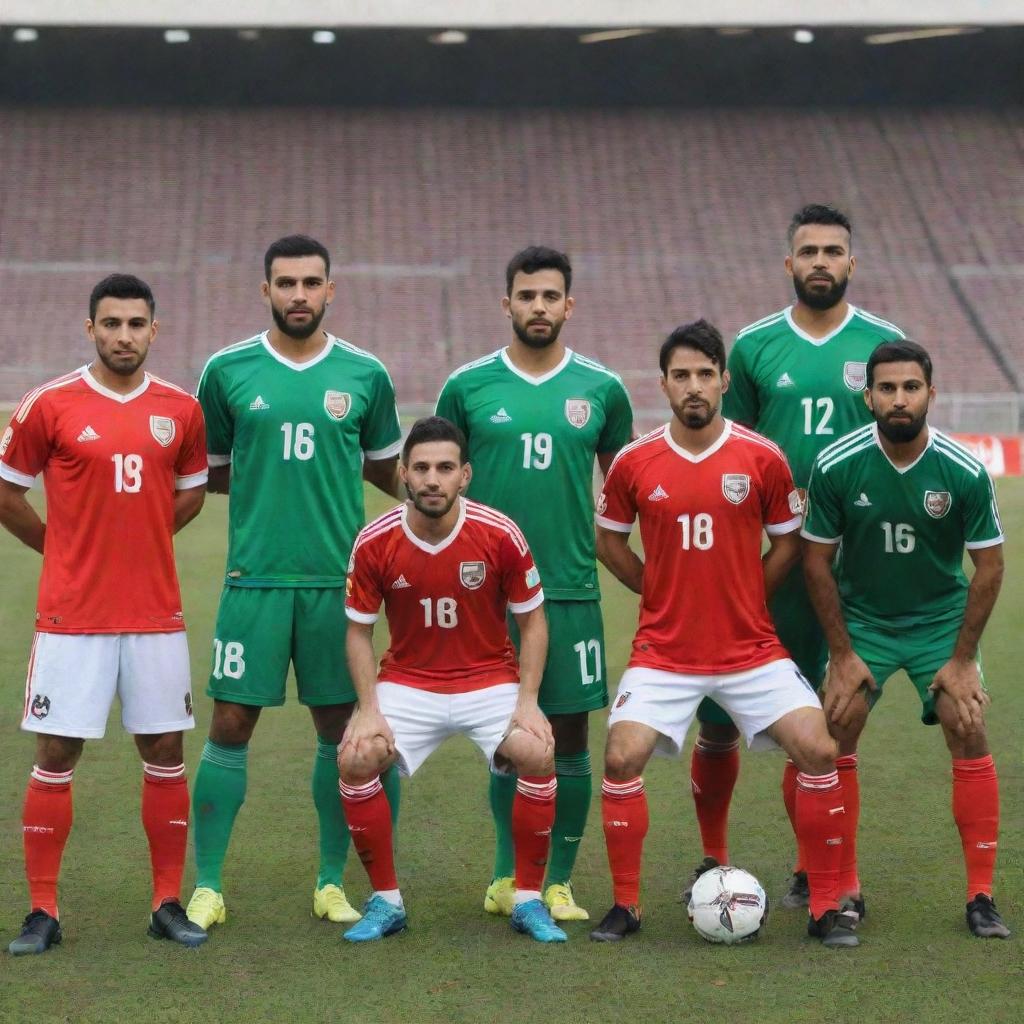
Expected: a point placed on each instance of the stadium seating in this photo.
(669, 215)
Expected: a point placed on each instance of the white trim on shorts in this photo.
(421, 720)
(74, 677)
(755, 699)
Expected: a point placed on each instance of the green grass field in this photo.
(273, 962)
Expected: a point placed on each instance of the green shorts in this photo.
(261, 629)
(575, 676)
(887, 651)
(800, 633)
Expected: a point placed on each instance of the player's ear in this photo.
(867, 399)
(153, 328)
(853, 266)
(726, 379)
(570, 304)
(329, 293)
(789, 264)
(467, 475)
(506, 305)
(90, 329)
(265, 290)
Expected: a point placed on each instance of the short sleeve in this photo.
(449, 405)
(26, 443)
(823, 514)
(363, 594)
(782, 507)
(982, 526)
(616, 505)
(519, 575)
(381, 434)
(220, 425)
(740, 402)
(190, 470)
(618, 426)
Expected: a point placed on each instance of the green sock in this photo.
(334, 837)
(217, 794)
(572, 804)
(393, 791)
(502, 794)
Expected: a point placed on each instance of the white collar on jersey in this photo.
(902, 469)
(544, 377)
(318, 358)
(435, 549)
(828, 337)
(115, 395)
(707, 453)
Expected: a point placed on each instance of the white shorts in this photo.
(754, 699)
(422, 721)
(73, 677)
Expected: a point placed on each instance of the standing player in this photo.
(796, 377)
(297, 419)
(446, 570)
(123, 458)
(705, 489)
(904, 501)
(536, 414)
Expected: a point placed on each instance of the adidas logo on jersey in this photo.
(785, 381)
(501, 416)
(658, 494)
(257, 403)
(863, 501)
(401, 583)
(88, 435)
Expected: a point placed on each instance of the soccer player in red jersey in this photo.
(123, 458)
(446, 569)
(705, 489)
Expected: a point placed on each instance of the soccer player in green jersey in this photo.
(536, 414)
(296, 420)
(797, 377)
(904, 501)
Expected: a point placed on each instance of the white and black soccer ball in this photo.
(728, 905)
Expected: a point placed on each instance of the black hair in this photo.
(295, 245)
(700, 336)
(121, 286)
(904, 351)
(819, 213)
(435, 428)
(534, 258)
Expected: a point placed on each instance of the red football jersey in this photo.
(703, 609)
(111, 464)
(445, 603)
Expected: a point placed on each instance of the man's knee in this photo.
(360, 762)
(233, 724)
(525, 753)
(626, 755)
(571, 732)
(330, 720)
(164, 749)
(58, 753)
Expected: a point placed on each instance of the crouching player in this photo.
(705, 489)
(904, 501)
(446, 569)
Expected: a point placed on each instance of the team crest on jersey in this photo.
(735, 486)
(337, 404)
(602, 504)
(40, 706)
(855, 375)
(577, 412)
(623, 697)
(188, 705)
(937, 503)
(162, 428)
(472, 574)
(6, 439)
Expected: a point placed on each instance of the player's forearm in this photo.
(20, 518)
(981, 599)
(362, 664)
(620, 559)
(824, 595)
(383, 474)
(187, 505)
(533, 651)
(779, 560)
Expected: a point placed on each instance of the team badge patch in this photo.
(532, 576)
(6, 439)
(337, 404)
(735, 486)
(472, 574)
(623, 697)
(40, 706)
(577, 412)
(188, 704)
(796, 498)
(937, 503)
(855, 375)
(162, 428)
(602, 504)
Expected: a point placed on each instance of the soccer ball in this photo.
(728, 905)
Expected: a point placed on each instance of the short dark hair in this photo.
(818, 213)
(534, 258)
(121, 286)
(700, 336)
(295, 245)
(904, 351)
(435, 428)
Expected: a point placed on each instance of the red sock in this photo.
(976, 813)
(368, 814)
(714, 768)
(789, 774)
(624, 810)
(819, 822)
(849, 782)
(165, 819)
(46, 822)
(533, 814)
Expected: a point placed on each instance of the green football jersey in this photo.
(295, 435)
(903, 530)
(532, 442)
(800, 391)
